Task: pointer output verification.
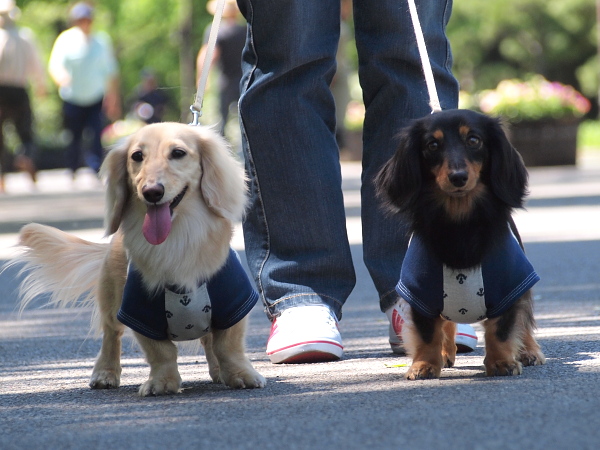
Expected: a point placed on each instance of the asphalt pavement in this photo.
(362, 401)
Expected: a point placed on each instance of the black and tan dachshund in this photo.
(456, 179)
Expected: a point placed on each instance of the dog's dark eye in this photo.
(178, 153)
(433, 146)
(473, 141)
(137, 156)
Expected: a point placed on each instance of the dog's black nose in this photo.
(153, 194)
(459, 178)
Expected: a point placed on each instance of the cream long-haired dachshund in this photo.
(173, 194)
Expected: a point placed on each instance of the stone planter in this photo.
(546, 142)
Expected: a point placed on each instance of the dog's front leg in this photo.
(164, 375)
(107, 369)
(235, 369)
(509, 340)
(501, 346)
(423, 338)
(530, 353)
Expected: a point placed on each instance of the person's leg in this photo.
(74, 123)
(394, 93)
(95, 123)
(295, 230)
(23, 121)
(229, 94)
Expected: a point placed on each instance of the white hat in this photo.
(81, 10)
(7, 6)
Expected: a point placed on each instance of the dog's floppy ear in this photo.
(223, 182)
(114, 170)
(399, 181)
(507, 172)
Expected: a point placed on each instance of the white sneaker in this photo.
(305, 334)
(395, 330)
(466, 338)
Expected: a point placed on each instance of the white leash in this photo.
(196, 108)
(434, 101)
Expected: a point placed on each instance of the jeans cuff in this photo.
(388, 300)
(275, 308)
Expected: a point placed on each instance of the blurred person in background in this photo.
(228, 55)
(148, 102)
(83, 66)
(20, 65)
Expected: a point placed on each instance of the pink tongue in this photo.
(157, 223)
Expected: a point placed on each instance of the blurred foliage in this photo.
(491, 41)
(496, 40)
(588, 135)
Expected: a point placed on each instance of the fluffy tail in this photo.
(59, 265)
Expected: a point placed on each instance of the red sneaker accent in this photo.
(397, 322)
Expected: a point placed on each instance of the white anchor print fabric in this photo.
(188, 315)
(464, 295)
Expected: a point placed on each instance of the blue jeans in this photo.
(295, 230)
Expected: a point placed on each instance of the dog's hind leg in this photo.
(164, 376)
(531, 354)
(211, 358)
(235, 369)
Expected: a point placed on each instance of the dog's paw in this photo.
(421, 370)
(535, 358)
(160, 386)
(448, 361)
(449, 357)
(243, 379)
(502, 368)
(105, 379)
(215, 374)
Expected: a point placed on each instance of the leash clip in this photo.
(196, 114)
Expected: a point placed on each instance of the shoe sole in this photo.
(397, 348)
(307, 352)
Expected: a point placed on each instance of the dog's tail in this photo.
(59, 265)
